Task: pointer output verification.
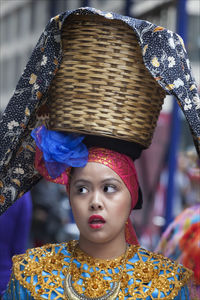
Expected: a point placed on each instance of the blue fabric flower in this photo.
(60, 150)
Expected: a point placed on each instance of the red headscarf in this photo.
(121, 164)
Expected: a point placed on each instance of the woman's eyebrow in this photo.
(83, 181)
(111, 179)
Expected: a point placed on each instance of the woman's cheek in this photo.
(123, 207)
(77, 209)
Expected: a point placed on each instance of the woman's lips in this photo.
(96, 221)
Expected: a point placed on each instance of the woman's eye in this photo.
(109, 189)
(82, 190)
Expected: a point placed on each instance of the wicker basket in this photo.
(102, 87)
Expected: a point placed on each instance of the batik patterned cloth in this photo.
(164, 56)
(41, 273)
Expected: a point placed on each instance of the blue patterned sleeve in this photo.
(183, 294)
(15, 291)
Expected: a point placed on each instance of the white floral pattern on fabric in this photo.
(44, 60)
(164, 56)
(171, 61)
(12, 124)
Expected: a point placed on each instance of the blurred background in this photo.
(166, 169)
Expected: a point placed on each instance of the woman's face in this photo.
(100, 203)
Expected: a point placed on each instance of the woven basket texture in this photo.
(102, 86)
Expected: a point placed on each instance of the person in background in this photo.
(180, 241)
(14, 235)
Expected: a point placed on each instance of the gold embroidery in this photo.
(48, 266)
(95, 284)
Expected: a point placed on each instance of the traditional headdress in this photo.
(114, 99)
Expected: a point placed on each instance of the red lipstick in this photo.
(96, 221)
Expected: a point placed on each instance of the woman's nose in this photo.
(96, 203)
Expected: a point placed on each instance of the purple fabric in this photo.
(14, 233)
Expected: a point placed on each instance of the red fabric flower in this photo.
(189, 244)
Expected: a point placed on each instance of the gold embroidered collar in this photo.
(49, 264)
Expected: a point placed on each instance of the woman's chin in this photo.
(96, 238)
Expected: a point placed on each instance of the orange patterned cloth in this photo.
(119, 163)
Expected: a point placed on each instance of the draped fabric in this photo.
(164, 56)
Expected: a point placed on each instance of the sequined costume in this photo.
(41, 272)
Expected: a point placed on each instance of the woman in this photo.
(106, 262)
